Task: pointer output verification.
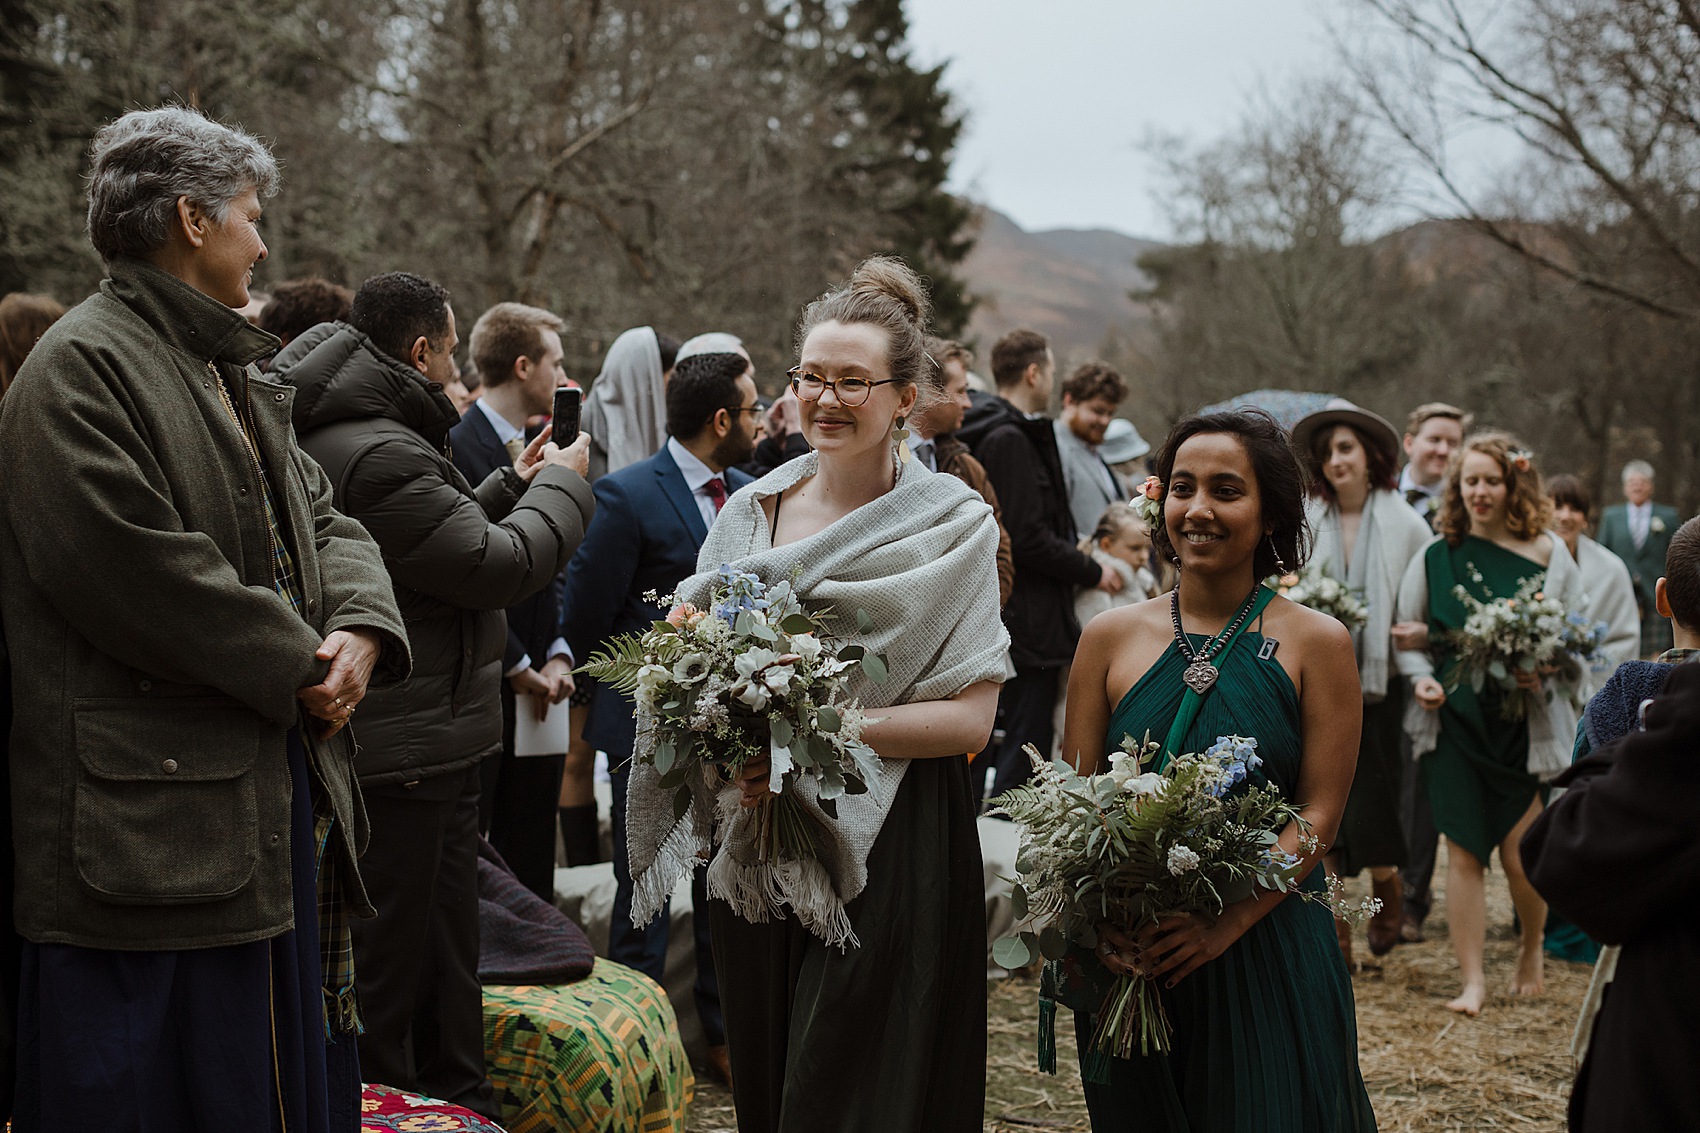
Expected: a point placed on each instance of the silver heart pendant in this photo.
(1199, 676)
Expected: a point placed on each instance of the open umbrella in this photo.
(1287, 406)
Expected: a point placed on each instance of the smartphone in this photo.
(563, 427)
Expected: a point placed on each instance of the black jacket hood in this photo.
(339, 374)
(986, 412)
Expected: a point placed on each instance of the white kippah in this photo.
(714, 342)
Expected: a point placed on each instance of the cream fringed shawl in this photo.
(1390, 535)
(922, 562)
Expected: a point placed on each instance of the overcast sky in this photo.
(1060, 92)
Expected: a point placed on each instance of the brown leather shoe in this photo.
(720, 1065)
(1384, 927)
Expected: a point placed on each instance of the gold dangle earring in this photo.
(902, 437)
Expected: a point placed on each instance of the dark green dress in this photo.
(1266, 1036)
(1477, 777)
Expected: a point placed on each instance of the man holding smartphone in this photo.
(517, 350)
(370, 409)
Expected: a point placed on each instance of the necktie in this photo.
(515, 446)
(716, 489)
(1417, 498)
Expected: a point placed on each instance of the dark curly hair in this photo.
(1095, 379)
(301, 304)
(1280, 484)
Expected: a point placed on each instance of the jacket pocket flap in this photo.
(188, 739)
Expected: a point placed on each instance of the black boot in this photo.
(579, 834)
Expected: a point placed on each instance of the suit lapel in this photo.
(678, 494)
(483, 434)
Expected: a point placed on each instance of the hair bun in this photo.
(890, 277)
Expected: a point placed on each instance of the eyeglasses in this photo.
(756, 409)
(849, 391)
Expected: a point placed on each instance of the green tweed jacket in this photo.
(154, 665)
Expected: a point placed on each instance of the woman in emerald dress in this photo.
(1480, 770)
(1265, 1037)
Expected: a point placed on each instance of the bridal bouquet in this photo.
(1523, 633)
(1325, 594)
(1129, 847)
(754, 674)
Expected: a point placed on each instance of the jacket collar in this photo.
(339, 374)
(189, 320)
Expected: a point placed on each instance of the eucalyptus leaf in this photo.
(781, 731)
(681, 802)
(874, 665)
(1053, 943)
(851, 653)
(801, 754)
(797, 623)
(828, 719)
(864, 622)
(1018, 901)
(1012, 952)
(674, 778)
(664, 755)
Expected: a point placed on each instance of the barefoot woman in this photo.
(1265, 1038)
(1478, 768)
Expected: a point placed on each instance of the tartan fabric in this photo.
(1656, 634)
(602, 1055)
(336, 939)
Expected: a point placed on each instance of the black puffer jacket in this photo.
(457, 556)
(1020, 457)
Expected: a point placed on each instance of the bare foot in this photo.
(1531, 973)
(1470, 1002)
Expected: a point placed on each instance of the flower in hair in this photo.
(1149, 502)
(1520, 459)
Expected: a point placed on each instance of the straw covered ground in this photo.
(1428, 1070)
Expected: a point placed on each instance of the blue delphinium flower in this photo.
(1238, 757)
(744, 591)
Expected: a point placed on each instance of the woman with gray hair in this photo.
(191, 632)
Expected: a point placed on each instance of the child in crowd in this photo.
(1121, 543)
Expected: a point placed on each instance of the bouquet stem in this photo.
(784, 830)
(1132, 1007)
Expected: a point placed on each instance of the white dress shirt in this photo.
(505, 430)
(1640, 522)
(696, 474)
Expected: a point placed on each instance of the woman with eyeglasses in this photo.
(875, 1019)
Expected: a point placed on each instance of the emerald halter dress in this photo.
(1265, 1035)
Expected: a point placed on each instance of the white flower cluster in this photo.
(752, 675)
(1324, 593)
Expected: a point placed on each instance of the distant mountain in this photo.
(1071, 284)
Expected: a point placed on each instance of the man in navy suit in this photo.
(651, 519)
(517, 350)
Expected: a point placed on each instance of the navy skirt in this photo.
(198, 1039)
